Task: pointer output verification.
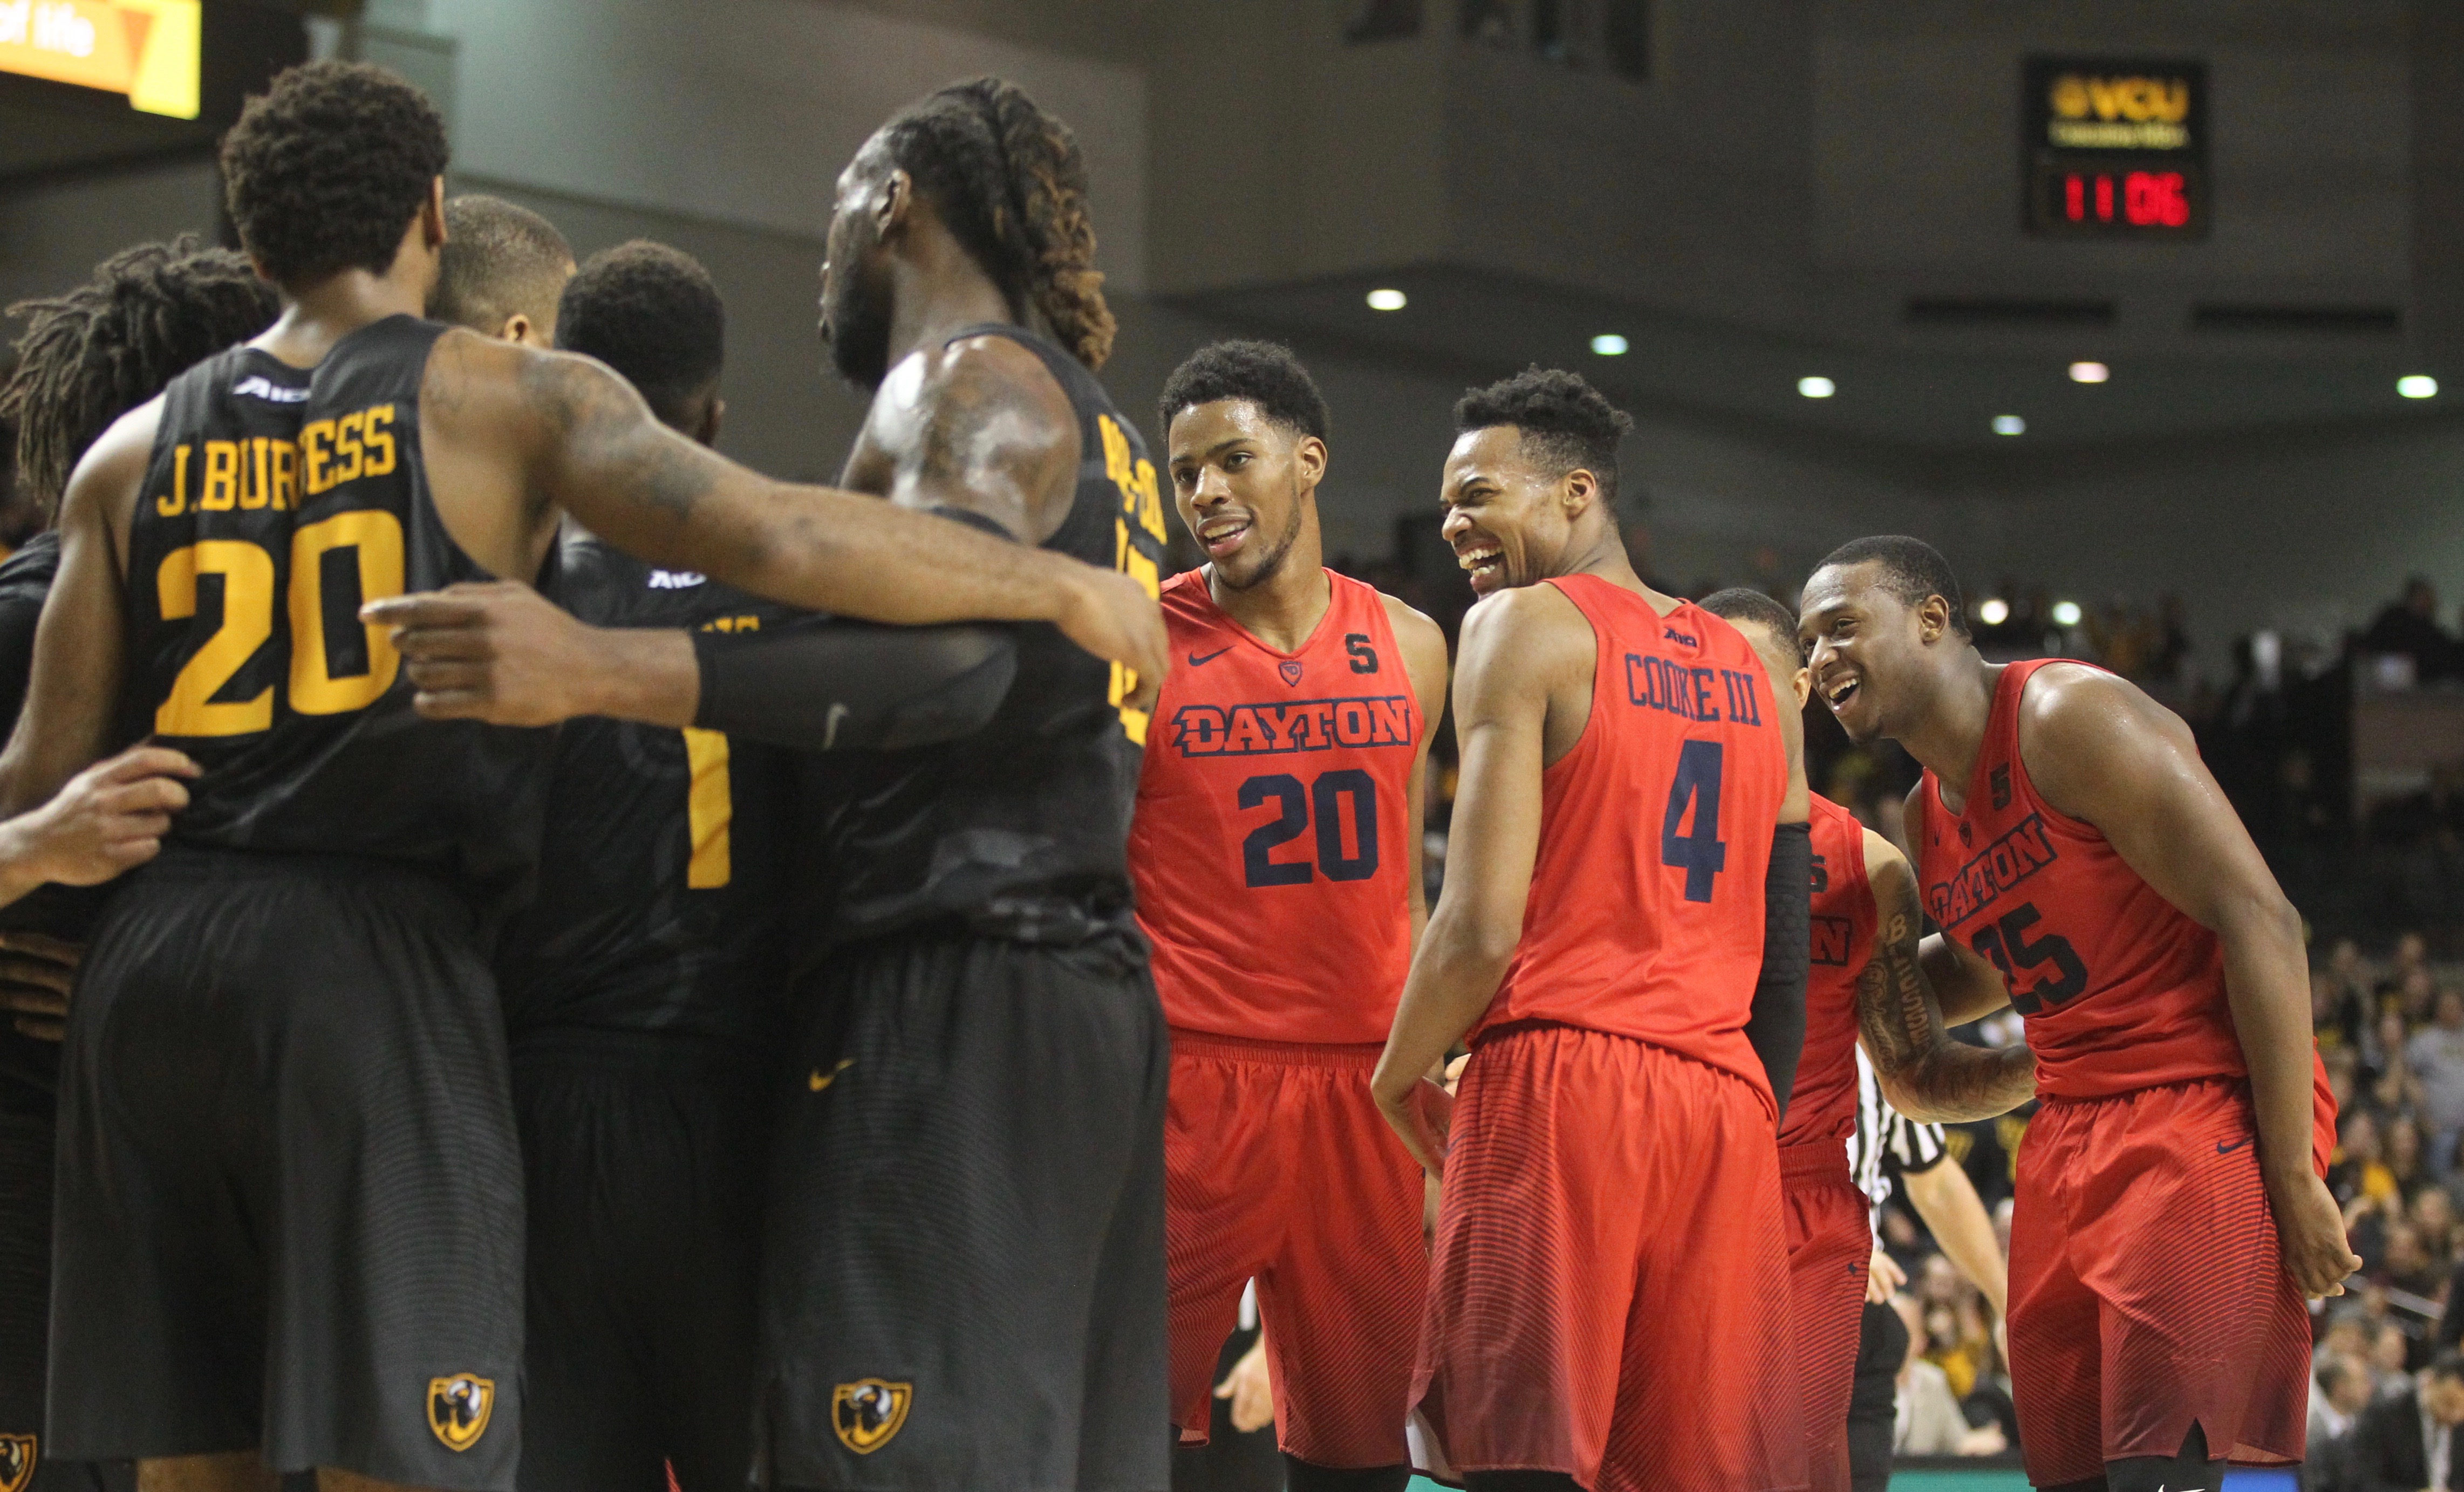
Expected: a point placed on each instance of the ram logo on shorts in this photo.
(459, 1408)
(16, 1463)
(868, 1411)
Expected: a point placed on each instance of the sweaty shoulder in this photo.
(2080, 727)
(981, 425)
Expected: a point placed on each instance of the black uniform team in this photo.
(791, 989)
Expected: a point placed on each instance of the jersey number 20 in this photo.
(335, 565)
(1324, 796)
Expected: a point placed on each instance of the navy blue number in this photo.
(1289, 826)
(1700, 852)
(1325, 796)
(2007, 943)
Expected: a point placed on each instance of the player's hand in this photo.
(1421, 1114)
(108, 817)
(1115, 618)
(2311, 1234)
(36, 974)
(1883, 1277)
(497, 652)
(1250, 1386)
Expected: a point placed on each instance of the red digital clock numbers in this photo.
(2147, 199)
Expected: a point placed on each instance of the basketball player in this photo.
(290, 1201)
(2083, 864)
(1609, 1294)
(85, 358)
(645, 989)
(1859, 962)
(1276, 857)
(502, 271)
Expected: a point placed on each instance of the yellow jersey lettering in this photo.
(379, 436)
(709, 810)
(221, 491)
(313, 474)
(191, 708)
(285, 493)
(374, 537)
(253, 494)
(348, 454)
(176, 502)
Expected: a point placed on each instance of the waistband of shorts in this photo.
(601, 1048)
(1826, 1159)
(1362, 1055)
(217, 863)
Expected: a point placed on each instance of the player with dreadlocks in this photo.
(966, 1231)
(85, 358)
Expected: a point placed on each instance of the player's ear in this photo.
(712, 414)
(892, 201)
(1580, 491)
(431, 215)
(517, 329)
(1803, 682)
(1309, 460)
(1933, 619)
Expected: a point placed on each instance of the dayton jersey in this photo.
(1822, 1105)
(277, 500)
(2119, 990)
(1271, 844)
(1645, 916)
(663, 861)
(1019, 830)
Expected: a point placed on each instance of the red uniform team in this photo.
(1663, 1030)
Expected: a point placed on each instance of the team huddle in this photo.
(616, 968)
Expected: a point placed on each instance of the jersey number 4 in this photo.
(1700, 851)
(335, 565)
(1326, 797)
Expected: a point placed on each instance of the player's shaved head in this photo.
(502, 271)
(1743, 605)
(1908, 568)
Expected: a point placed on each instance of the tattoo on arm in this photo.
(607, 432)
(1928, 1075)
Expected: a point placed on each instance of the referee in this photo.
(1946, 1201)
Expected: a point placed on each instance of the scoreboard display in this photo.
(2115, 148)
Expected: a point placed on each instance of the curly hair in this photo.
(1912, 570)
(498, 259)
(1566, 423)
(1740, 604)
(1265, 373)
(89, 357)
(1009, 181)
(650, 312)
(324, 172)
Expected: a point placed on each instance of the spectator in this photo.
(2390, 1347)
(2360, 1173)
(2406, 1440)
(2433, 1218)
(2437, 1056)
(2412, 957)
(2414, 996)
(2411, 627)
(2404, 1153)
(1927, 1421)
(2406, 1266)
(2335, 1016)
(2340, 1391)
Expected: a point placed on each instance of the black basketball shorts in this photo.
(963, 1284)
(289, 1193)
(27, 1464)
(646, 1159)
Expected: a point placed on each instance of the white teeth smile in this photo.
(1840, 695)
(1479, 558)
(1218, 532)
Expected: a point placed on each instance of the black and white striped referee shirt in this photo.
(1883, 1131)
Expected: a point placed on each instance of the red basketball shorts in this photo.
(1279, 1167)
(2147, 1292)
(1830, 1248)
(1609, 1293)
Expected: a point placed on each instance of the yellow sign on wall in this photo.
(146, 48)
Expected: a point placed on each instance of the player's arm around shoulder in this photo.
(1521, 648)
(1927, 1075)
(1423, 647)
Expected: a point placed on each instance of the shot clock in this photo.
(2115, 148)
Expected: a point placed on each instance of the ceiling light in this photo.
(1609, 345)
(1817, 386)
(2417, 386)
(2010, 425)
(1386, 301)
(2090, 372)
(1994, 611)
(2066, 613)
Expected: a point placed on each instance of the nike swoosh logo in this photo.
(2222, 1149)
(1196, 662)
(820, 1080)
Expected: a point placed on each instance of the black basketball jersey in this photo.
(29, 1067)
(279, 499)
(664, 856)
(1019, 830)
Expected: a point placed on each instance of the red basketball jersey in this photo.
(2119, 990)
(1822, 1105)
(1645, 917)
(1270, 848)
